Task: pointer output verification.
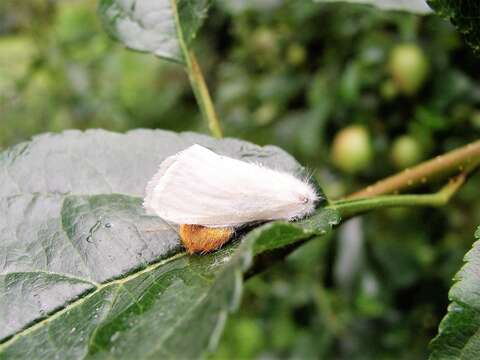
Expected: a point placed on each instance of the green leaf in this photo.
(459, 331)
(414, 6)
(465, 15)
(84, 273)
(160, 27)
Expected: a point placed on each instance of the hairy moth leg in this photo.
(203, 239)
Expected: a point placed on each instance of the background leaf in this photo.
(459, 336)
(151, 25)
(415, 6)
(465, 15)
(84, 273)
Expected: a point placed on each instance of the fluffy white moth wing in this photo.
(197, 186)
(149, 190)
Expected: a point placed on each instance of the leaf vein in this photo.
(80, 300)
(66, 276)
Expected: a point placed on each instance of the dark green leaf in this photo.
(84, 273)
(465, 15)
(415, 6)
(459, 331)
(153, 25)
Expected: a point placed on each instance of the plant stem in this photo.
(352, 207)
(462, 159)
(202, 94)
(197, 80)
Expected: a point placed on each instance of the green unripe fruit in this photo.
(475, 119)
(408, 67)
(406, 151)
(388, 89)
(296, 54)
(265, 41)
(264, 47)
(265, 114)
(352, 149)
(16, 53)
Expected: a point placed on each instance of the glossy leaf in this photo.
(465, 15)
(415, 6)
(155, 26)
(85, 273)
(459, 331)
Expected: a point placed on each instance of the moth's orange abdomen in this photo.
(203, 239)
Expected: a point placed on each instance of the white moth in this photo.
(199, 187)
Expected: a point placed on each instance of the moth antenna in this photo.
(308, 175)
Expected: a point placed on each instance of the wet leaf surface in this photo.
(85, 273)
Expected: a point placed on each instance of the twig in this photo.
(463, 159)
(353, 207)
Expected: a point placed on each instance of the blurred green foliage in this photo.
(292, 74)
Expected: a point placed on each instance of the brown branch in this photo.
(463, 159)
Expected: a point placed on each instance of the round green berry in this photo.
(352, 149)
(406, 151)
(408, 67)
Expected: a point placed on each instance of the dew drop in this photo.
(73, 330)
(108, 225)
(89, 238)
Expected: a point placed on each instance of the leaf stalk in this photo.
(197, 80)
(202, 94)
